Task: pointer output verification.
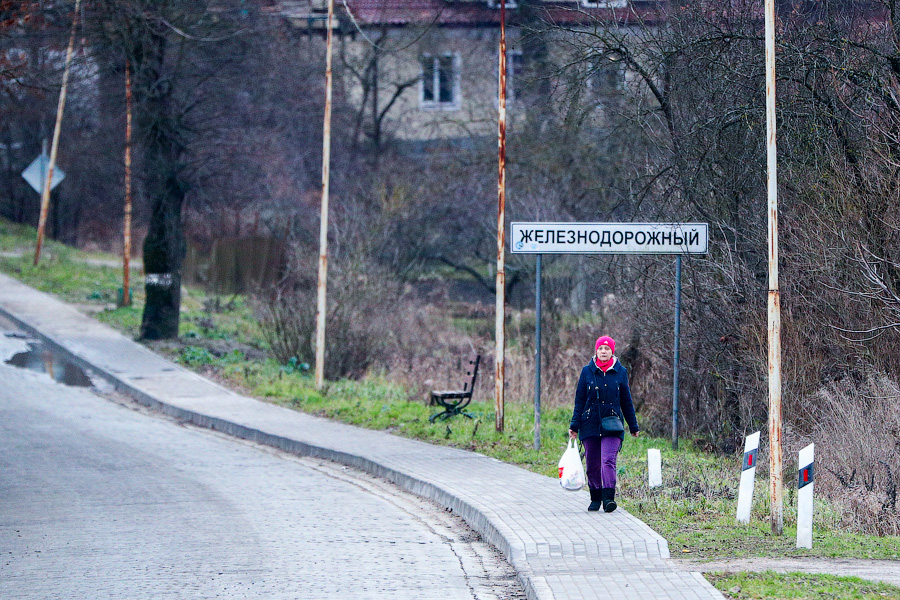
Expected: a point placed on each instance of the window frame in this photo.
(612, 63)
(511, 75)
(435, 103)
(604, 3)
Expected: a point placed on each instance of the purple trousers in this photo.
(600, 455)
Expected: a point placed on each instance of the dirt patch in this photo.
(886, 571)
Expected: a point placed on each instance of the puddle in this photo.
(41, 359)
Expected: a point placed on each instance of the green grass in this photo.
(15, 237)
(784, 586)
(126, 319)
(701, 529)
(694, 509)
(54, 274)
(379, 404)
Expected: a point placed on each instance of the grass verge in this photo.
(784, 586)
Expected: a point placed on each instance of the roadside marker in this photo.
(654, 467)
(748, 476)
(805, 497)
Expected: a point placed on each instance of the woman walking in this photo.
(602, 391)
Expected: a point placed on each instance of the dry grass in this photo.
(858, 447)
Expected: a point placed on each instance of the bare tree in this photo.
(160, 41)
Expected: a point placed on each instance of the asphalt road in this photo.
(100, 499)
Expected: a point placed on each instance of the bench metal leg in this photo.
(448, 412)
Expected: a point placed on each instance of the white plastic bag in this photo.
(571, 471)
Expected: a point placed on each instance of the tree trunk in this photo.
(163, 259)
(164, 246)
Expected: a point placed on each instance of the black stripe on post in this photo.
(749, 459)
(805, 476)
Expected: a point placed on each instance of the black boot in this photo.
(608, 499)
(596, 499)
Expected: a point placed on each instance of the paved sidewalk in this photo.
(559, 550)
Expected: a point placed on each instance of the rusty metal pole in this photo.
(499, 378)
(323, 221)
(774, 320)
(45, 192)
(126, 246)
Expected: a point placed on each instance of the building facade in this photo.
(425, 70)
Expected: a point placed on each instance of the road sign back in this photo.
(36, 173)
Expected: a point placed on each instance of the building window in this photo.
(607, 75)
(514, 74)
(604, 3)
(440, 81)
(509, 4)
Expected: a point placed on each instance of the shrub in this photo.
(359, 324)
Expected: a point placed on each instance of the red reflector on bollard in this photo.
(806, 475)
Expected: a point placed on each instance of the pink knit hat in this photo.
(606, 340)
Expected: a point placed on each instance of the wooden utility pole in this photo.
(126, 246)
(774, 304)
(45, 192)
(499, 377)
(323, 221)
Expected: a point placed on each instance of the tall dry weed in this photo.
(363, 317)
(428, 353)
(857, 437)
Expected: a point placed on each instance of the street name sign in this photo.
(609, 238)
(36, 173)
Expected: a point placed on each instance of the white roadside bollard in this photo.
(654, 467)
(748, 476)
(805, 497)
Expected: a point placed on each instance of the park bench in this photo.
(454, 401)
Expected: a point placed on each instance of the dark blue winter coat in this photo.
(597, 394)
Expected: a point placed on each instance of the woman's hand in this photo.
(572, 434)
(635, 434)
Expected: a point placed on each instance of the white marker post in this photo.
(748, 476)
(654, 467)
(805, 497)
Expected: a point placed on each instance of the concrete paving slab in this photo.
(558, 549)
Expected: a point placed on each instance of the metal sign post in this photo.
(677, 347)
(608, 238)
(537, 355)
